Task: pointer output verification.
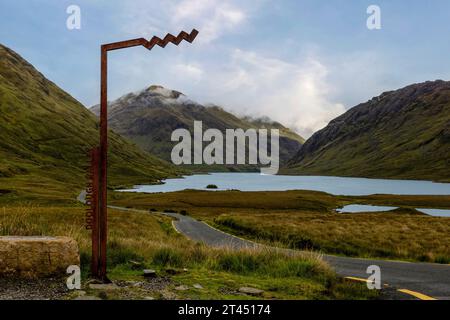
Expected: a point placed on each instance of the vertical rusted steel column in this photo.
(103, 176)
(94, 209)
(91, 199)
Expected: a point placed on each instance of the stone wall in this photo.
(37, 256)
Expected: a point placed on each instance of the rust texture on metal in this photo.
(169, 38)
(103, 176)
(100, 240)
(92, 194)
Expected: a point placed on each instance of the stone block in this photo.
(32, 257)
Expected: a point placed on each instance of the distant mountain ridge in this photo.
(150, 116)
(400, 134)
(46, 133)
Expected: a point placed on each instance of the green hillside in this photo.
(401, 134)
(149, 117)
(45, 135)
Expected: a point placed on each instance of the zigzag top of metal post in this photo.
(169, 38)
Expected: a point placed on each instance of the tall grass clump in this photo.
(166, 256)
(269, 262)
(21, 223)
(118, 254)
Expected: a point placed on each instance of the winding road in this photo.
(424, 281)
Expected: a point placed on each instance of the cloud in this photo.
(362, 75)
(299, 96)
(296, 95)
(213, 18)
(193, 72)
(304, 104)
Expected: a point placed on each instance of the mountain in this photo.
(46, 133)
(400, 134)
(149, 117)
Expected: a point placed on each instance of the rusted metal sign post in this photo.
(97, 217)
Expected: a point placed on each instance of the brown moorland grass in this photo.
(209, 204)
(379, 235)
(151, 240)
(308, 220)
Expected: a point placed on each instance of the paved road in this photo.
(201, 232)
(426, 278)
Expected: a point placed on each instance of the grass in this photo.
(149, 239)
(307, 220)
(388, 235)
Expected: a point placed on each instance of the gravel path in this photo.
(38, 289)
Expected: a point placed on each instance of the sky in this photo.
(300, 62)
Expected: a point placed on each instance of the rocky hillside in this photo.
(149, 117)
(46, 133)
(400, 134)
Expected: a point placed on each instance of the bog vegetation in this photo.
(307, 220)
(150, 240)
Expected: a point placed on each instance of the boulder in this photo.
(135, 265)
(182, 288)
(104, 286)
(251, 291)
(32, 257)
(149, 273)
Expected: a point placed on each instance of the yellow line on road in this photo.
(362, 280)
(416, 294)
(357, 279)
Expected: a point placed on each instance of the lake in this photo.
(332, 185)
(359, 208)
(356, 208)
(435, 212)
